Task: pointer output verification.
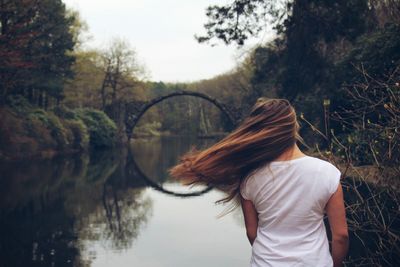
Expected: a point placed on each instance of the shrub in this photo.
(371, 121)
(27, 131)
(79, 131)
(65, 113)
(18, 104)
(35, 128)
(53, 123)
(80, 134)
(14, 141)
(102, 129)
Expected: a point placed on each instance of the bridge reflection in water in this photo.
(156, 177)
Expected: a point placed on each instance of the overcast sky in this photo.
(162, 34)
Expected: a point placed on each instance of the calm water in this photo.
(115, 208)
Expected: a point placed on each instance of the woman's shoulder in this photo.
(310, 165)
(304, 160)
(329, 172)
(323, 164)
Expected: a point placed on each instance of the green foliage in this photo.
(321, 46)
(36, 34)
(14, 139)
(80, 133)
(53, 124)
(83, 89)
(65, 113)
(239, 20)
(27, 131)
(267, 70)
(310, 41)
(77, 127)
(102, 129)
(30, 130)
(377, 52)
(236, 21)
(18, 104)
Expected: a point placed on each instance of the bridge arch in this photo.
(133, 113)
(133, 117)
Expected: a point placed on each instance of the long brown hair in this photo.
(270, 129)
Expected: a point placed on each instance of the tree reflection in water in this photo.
(130, 214)
(48, 207)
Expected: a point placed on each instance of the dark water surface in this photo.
(114, 208)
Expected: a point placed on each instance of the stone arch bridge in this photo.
(127, 114)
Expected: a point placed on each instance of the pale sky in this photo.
(162, 34)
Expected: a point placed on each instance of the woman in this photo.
(283, 192)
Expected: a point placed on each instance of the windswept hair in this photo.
(270, 129)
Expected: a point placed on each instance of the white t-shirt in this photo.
(290, 198)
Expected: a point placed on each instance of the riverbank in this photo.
(30, 132)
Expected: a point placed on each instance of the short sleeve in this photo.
(334, 179)
(245, 189)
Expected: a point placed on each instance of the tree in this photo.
(306, 30)
(241, 19)
(13, 38)
(238, 20)
(35, 46)
(313, 32)
(316, 45)
(82, 90)
(79, 29)
(121, 71)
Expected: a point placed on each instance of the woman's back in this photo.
(290, 198)
(285, 200)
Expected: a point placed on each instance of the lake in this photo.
(115, 208)
(120, 208)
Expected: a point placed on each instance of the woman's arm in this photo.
(337, 221)
(250, 219)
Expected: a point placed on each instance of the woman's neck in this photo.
(292, 153)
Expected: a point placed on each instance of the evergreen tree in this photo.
(35, 45)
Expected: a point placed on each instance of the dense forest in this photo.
(336, 61)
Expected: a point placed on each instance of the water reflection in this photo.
(47, 206)
(54, 212)
(152, 157)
